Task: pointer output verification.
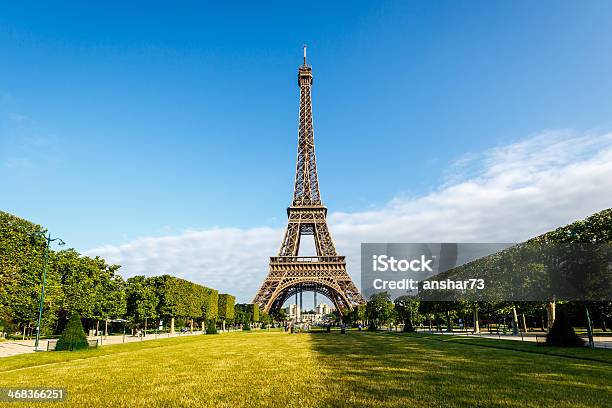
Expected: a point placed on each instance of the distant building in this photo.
(294, 312)
(310, 318)
(323, 309)
(313, 316)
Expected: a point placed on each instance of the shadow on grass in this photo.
(580, 353)
(397, 370)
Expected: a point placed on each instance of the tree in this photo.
(210, 304)
(254, 309)
(407, 309)
(21, 266)
(602, 312)
(88, 286)
(244, 315)
(73, 336)
(226, 306)
(239, 314)
(142, 300)
(354, 315)
(280, 315)
(184, 299)
(379, 310)
(110, 297)
(266, 320)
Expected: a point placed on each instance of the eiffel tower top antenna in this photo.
(306, 191)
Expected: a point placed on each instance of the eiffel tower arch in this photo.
(290, 273)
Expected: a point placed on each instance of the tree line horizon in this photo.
(94, 289)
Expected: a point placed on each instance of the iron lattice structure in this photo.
(290, 273)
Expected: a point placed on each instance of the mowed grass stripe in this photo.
(319, 370)
(392, 369)
(588, 354)
(239, 369)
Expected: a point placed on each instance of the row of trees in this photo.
(166, 298)
(578, 258)
(410, 311)
(248, 313)
(91, 288)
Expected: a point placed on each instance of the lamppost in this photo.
(48, 241)
(44, 234)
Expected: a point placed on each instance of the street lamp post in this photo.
(48, 241)
(46, 235)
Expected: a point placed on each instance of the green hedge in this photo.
(226, 306)
(181, 298)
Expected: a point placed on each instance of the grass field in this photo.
(320, 370)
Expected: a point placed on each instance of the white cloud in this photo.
(506, 194)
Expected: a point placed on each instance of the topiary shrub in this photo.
(562, 333)
(73, 337)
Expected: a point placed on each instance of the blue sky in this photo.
(121, 121)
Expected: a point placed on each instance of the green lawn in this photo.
(320, 370)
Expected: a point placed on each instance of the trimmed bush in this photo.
(562, 333)
(226, 306)
(73, 337)
(254, 309)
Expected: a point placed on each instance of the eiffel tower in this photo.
(290, 273)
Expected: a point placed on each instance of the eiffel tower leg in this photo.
(323, 240)
(291, 242)
(338, 303)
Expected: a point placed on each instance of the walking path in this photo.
(14, 347)
(539, 337)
